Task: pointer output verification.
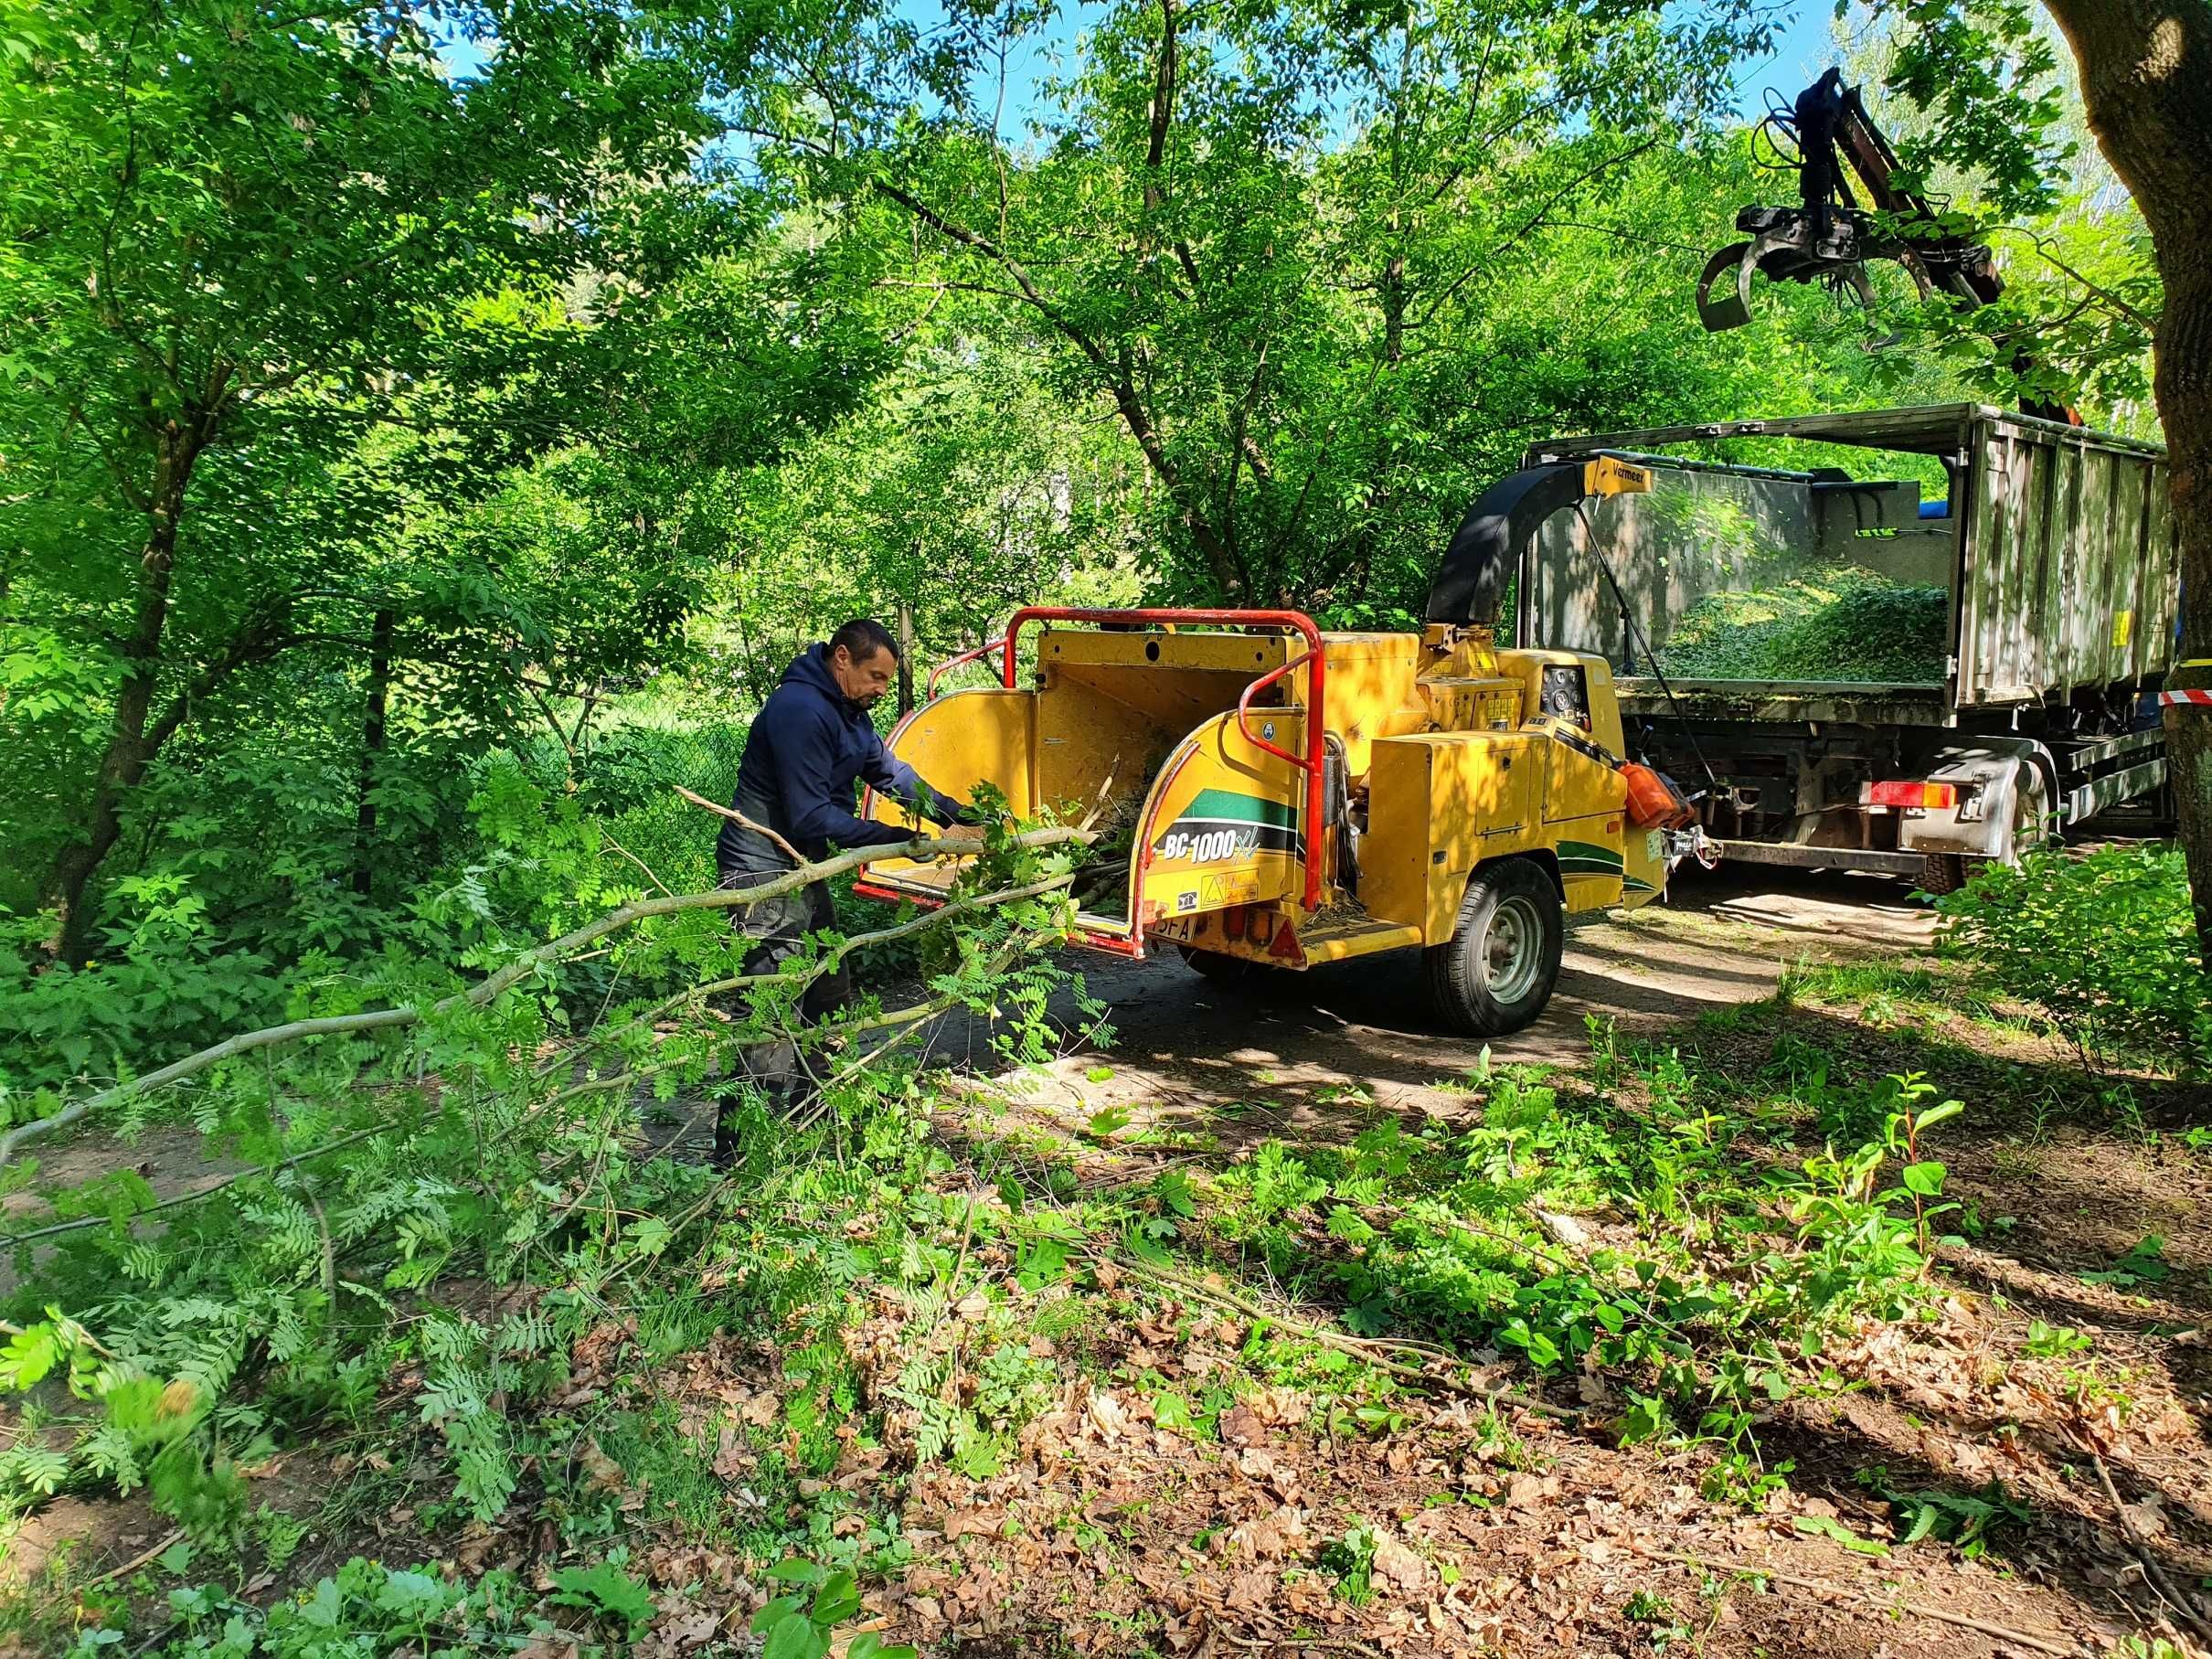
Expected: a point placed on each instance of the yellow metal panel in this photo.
(1643, 874)
(966, 738)
(1091, 748)
(1591, 892)
(1226, 819)
(961, 739)
(1252, 655)
(1439, 805)
(1604, 708)
(1578, 787)
(1174, 681)
(1341, 944)
(1394, 853)
(1369, 682)
(1477, 703)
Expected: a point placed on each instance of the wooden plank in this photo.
(2132, 583)
(2026, 483)
(2162, 554)
(2042, 547)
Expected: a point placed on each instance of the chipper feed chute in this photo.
(1131, 728)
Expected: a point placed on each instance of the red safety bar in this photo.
(939, 673)
(1316, 746)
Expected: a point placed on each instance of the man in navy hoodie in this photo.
(811, 742)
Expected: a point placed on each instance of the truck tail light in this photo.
(1943, 796)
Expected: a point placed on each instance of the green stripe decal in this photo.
(1583, 858)
(1226, 806)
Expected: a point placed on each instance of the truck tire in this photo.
(1495, 973)
(1942, 873)
(1231, 973)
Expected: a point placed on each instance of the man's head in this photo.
(862, 659)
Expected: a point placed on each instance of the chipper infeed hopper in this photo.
(1270, 795)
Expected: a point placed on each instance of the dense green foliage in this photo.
(2104, 942)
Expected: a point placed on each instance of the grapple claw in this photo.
(1729, 309)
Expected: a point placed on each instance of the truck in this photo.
(1283, 796)
(1904, 641)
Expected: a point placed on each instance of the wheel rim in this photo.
(1513, 949)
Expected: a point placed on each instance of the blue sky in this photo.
(1802, 50)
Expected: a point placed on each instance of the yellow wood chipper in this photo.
(1295, 797)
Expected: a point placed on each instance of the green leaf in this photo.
(837, 1600)
(30, 1354)
(776, 1611)
(1825, 1527)
(794, 1637)
(1925, 1178)
(1936, 1114)
(797, 1570)
(603, 1589)
(1174, 1189)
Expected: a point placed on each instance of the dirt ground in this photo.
(1723, 937)
(1115, 1533)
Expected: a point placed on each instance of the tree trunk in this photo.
(2146, 80)
(123, 764)
(372, 751)
(906, 656)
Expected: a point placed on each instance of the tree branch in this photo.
(493, 986)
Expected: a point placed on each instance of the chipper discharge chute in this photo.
(1270, 795)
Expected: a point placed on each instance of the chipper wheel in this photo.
(1496, 972)
(1231, 973)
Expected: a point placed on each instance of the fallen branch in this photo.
(199, 1193)
(2041, 1644)
(2161, 1586)
(743, 821)
(135, 1562)
(493, 986)
(829, 959)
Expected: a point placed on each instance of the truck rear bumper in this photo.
(1797, 858)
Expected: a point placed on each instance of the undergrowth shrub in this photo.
(204, 940)
(491, 1140)
(1719, 1274)
(2103, 941)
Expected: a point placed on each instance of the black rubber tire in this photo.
(1942, 873)
(1462, 976)
(1231, 973)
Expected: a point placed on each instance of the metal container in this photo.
(2056, 545)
